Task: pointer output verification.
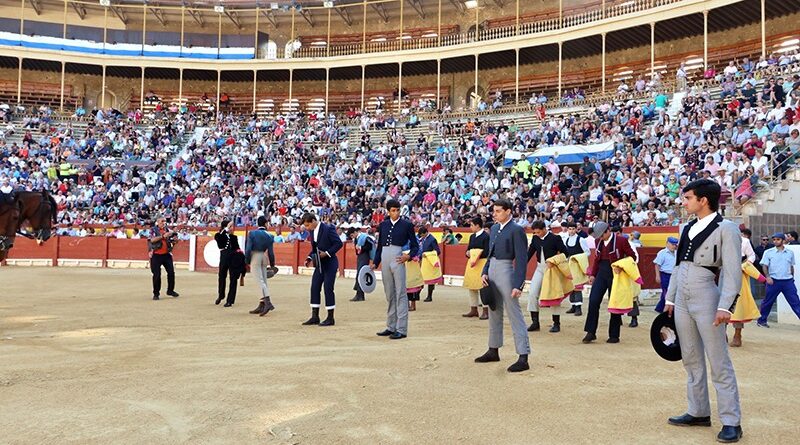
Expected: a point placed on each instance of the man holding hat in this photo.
(365, 251)
(778, 265)
(611, 247)
(665, 263)
(708, 246)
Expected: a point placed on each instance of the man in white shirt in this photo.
(708, 245)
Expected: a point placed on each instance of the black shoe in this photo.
(328, 322)
(729, 434)
(311, 321)
(357, 298)
(492, 355)
(762, 325)
(612, 340)
(397, 336)
(385, 333)
(519, 366)
(173, 294)
(634, 323)
(156, 297)
(218, 301)
(227, 305)
(428, 300)
(555, 328)
(689, 420)
(578, 311)
(571, 310)
(589, 338)
(534, 322)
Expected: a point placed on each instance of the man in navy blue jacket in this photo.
(393, 234)
(325, 242)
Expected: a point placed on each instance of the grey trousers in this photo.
(696, 304)
(536, 289)
(258, 267)
(394, 286)
(500, 272)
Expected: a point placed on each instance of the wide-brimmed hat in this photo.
(664, 337)
(366, 279)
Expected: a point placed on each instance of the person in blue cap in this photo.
(778, 266)
(665, 263)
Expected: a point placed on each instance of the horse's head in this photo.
(40, 210)
(9, 218)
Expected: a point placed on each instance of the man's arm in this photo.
(730, 277)
(248, 248)
(413, 242)
(519, 241)
(531, 248)
(377, 260)
(335, 241)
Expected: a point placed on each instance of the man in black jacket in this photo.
(544, 245)
(478, 240)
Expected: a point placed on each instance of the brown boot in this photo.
(259, 308)
(412, 306)
(484, 314)
(737, 339)
(473, 312)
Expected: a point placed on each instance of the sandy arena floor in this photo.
(88, 358)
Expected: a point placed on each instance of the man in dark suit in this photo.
(393, 234)
(504, 274)
(228, 245)
(544, 245)
(479, 239)
(325, 242)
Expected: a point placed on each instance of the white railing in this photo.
(549, 22)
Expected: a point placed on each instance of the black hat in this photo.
(664, 337)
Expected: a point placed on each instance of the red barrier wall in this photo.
(453, 257)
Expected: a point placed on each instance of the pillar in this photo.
(255, 87)
(327, 85)
(61, 94)
(180, 87)
(438, 83)
(141, 92)
(560, 45)
(219, 80)
(363, 73)
(291, 81)
(705, 40)
(400, 88)
(19, 82)
(516, 83)
(603, 60)
(763, 29)
(652, 50)
(103, 90)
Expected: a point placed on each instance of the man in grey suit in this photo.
(709, 245)
(504, 274)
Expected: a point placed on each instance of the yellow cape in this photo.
(414, 281)
(472, 275)
(746, 309)
(578, 264)
(557, 282)
(626, 286)
(431, 268)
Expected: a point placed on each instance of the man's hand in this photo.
(308, 263)
(722, 317)
(403, 258)
(372, 265)
(769, 281)
(591, 279)
(485, 280)
(670, 308)
(472, 263)
(549, 265)
(658, 279)
(516, 293)
(616, 269)
(324, 255)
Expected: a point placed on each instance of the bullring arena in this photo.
(117, 115)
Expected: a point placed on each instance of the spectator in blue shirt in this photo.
(664, 264)
(778, 265)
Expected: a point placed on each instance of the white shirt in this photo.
(701, 224)
(503, 225)
(316, 233)
(747, 250)
(478, 233)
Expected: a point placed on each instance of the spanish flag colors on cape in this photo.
(746, 309)
(472, 275)
(557, 282)
(626, 286)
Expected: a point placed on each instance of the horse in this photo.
(9, 220)
(39, 209)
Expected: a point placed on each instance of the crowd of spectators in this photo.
(124, 171)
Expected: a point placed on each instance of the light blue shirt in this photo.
(665, 260)
(779, 262)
